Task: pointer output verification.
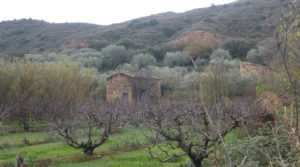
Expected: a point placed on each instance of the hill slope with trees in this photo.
(244, 18)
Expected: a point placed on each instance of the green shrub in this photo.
(270, 146)
(239, 48)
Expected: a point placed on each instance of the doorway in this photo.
(125, 96)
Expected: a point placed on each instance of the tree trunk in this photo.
(297, 117)
(88, 151)
(197, 162)
(25, 125)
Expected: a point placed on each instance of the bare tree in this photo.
(4, 113)
(88, 125)
(287, 38)
(24, 110)
(188, 127)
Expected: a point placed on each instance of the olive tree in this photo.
(190, 81)
(85, 57)
(143, 60)
(253, 56)
(222, 78)
(170, 77)
(239, 48)
(173, 59)
(220, 54)
(113, 56)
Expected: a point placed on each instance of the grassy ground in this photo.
(122, 149)
(136, 158)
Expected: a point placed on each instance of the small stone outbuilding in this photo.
(247, 67)
(131, 87)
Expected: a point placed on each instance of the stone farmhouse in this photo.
(131, 87)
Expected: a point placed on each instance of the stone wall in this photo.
(116, 85)
(247, 67)
(151, 87)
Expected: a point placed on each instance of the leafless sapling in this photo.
(288, 40)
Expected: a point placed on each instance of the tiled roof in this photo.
(139, 74)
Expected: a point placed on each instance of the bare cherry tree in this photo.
(189, 128)
(88, 125)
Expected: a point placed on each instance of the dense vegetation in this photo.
(212, 112)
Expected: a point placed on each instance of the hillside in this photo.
(244, 18)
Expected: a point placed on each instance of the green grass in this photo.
(48, 150)
(16, 139)
(65, 155)
(18, 127)
(137, 158)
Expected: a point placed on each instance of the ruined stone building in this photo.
(247, 67)
(131, 87)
